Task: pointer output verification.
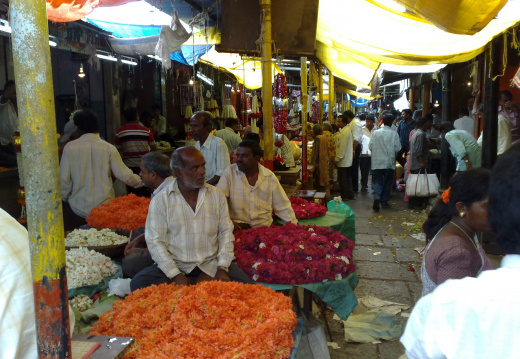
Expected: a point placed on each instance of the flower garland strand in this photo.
(209, 320)
(126, 212)
(294, 254)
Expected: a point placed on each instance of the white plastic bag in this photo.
(119, 287)
(422, 185)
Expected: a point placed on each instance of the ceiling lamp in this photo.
(81, 73)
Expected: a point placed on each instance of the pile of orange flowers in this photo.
(126, 212)
(209, 320)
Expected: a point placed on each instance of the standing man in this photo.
(464, 122)
(188, 230)
(384, 144)
(344, 157)
(8, 124)
(158, 121)
(511, 111)
(403, 130)
(229, 135)
(356, 130)
(213, 149)
(156, 174)
(253, 191)
(504, 136)
(86, 169)
(365, 159)
(419, 155)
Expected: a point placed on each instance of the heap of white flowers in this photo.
(81, 302)
(86, 267)
(94, 237)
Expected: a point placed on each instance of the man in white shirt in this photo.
(504, 136)
(464, 122)
(384, 146)
(212, 148)
(477, 317)
(188, 230)
(229, 135)
(357, 137)
(344, 156)
(156, 174)
(253, 191)
(86, 170)
(8, 124)
(364, 161)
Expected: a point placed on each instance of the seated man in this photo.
(253, 191)
(188, 230)
(477, 317)
(156, 174)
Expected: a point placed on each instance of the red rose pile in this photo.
(305, 209)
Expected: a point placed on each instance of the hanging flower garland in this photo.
(209, 320)
(304, 209)
(294, 254)
(280, 89)
(315, 118)
(126, 212)
(280, 120)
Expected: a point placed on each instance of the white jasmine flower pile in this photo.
(86, 267)
(94, 237)
(81, 302)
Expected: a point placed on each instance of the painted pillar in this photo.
(412, 100)
(33, 75)
(491, 97)
(332, 97)
(446, 157)
(303, 75)
(267, 84)
(426, 99)
(320, 89)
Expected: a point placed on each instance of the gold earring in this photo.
(462, 214)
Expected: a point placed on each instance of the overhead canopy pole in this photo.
(320, 89)
(446, 157)
(303, 75)
(267, 84)
(491, 87)
(33, 75)
(332, 97)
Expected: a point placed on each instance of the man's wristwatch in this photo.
(223, 268)
(466, 161)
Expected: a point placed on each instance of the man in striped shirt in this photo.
(134, 140)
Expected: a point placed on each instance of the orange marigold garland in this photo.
(210, 320)
(126, 212)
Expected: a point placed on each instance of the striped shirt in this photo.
(216, 154)
(180, 239)
(254, 205)
(133, 141)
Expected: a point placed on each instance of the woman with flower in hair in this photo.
(453, 250)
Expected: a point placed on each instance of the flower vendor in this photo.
(157, 175)
(213, 149)
(253, 191)
(86, 170)
(229, 134)
(188, 230)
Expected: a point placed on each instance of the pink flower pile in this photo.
(294, 254)
(305, 209)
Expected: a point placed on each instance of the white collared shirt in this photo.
(163, 185)
(384, 144)
(469, 318)
(504, 135)
(216, 155)
(344, 147)
(17, 327)
(255, 204)
(86, 169)
(8, 122)
(230, 138)
(180, 239)
(356, 129)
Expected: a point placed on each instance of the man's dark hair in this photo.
(156, 106)
(231, 122)
(446, 126)
(421, 121)
(131, 114)
(260, 123)
(504, 197)
(255, 137)
(506, 93)
(86, 120)
(253, 146)
(348, 115)
(146, 115)
(371, 117)
(158, 163)
(463, 111)
(8, 83)
(206, 116)
(388, 120)
(385, 112)
(327, 127)
(362, 117)
(408, 112)
(317, 130)
(335, 127)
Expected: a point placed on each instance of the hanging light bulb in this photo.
(191, 80)
(81, 73)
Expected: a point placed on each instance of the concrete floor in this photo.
(392, 275)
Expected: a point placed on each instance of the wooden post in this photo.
(320, 89)
(426, 99)
(490, 126)
(446, 157)
(412, 100)
(35, 95)
(332, 97)
(303, 75)
(267, 84)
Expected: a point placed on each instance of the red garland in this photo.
(279, 159)
(255, 115)
(278, 143)
(315, 118)
(186, 120)
(304, 209)
(280, 89)
(294, 254)
(280, 120)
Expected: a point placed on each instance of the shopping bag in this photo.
(422, 185)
